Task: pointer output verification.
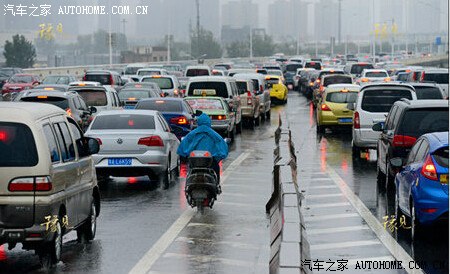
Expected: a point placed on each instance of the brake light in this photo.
(318, 81)
(429, 170)
(30, 184)
(84, 78)
(422, 76)
(356, 122)
(249, 98)
(311, 84)
(179, 120)
(365, 80)
(152, 141)
(3, 136)
(261, 88)
(175, 92)
(403, 141)
(69, 112)
(324, 107)
(111, 80)
(218, 117)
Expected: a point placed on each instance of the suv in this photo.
(427, 91)
(49, 185)
(355, 69)
(373, 104)
(71, 102)
(407, 121)
(220, 86)
(100, 97)
(439, 76)
(167, 83)
(104, 77)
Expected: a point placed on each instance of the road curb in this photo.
(288, 241)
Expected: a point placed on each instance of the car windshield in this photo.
(440, 78)
(123, 121)
(20, 79)
(205, 103)
(149, 72)
(293, 67)
(57, 80)
(197, 72)
(135, 93)
(94, 98)
(56, 101)
(441, 156)
(428, 93)
(162, 82)
(417, 122)
(161, 105)
(171, 68)
(342, 97)
(377, 100)
(208, 88)
(336, 80)
(358, 68)
(17, 146)
(103, 79)
(132, 70)
(376, 74)
(274, 72)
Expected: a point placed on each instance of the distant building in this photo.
(288, 19)
(326, 20)
(234, 34)
(240, 13)
(144, 54)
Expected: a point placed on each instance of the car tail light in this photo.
(324, 107)
(403, 141)
(387, 79)
(218, 117)
(3, 136)
(30, 184)
(84, 78)
(318, 81)
(111, 80)
(261, 88)
(429, 169)
(356, 122)
(175, 92)
(365, 80)
(311, 84)
(249, 98)
(181, 120)
(69, 112)
(152, 141)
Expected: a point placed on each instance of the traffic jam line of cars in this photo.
(60, 135)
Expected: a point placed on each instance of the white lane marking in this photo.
(371, 259)
(322, 186)
(149, 258)
(229, 243)
(327, 205)
(241, 204)
(330, 217)
(210, 259)
(317, 231)
(342, 245)
(388, 241)
(315, 196)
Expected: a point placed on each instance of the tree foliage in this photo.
(19, 53)
(205, 43)
(263, 45)
(238, 49)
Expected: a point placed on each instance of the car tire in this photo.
(258, 121)
(416, 227)
(356, 151)
(320, 129)
(86, 232)
(50, 253)
(165, 176)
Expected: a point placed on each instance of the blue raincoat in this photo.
(204, 138)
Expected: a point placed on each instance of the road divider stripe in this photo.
(388, 241)
(146, 262)
(330, 217)
(315, 196)
(341, 245)
(317, 231)
(313, 206)
(322, 186)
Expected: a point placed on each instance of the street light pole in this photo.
(339, 21)
(110, 37)
(198, 26)
(373, 25)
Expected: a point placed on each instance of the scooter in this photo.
(201, 182)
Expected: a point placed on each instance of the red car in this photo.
(19, 82)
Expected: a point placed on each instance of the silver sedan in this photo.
(134, 143)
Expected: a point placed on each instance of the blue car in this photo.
(422, 184)
(176, 111)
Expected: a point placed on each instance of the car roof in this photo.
(128, 111)
(42, 92)
(27, 112)
(386, 85)
(211, 79)
(162, 99)
(437, 140)
(249, 76)
(429, 103)
(198, 67)
(204, 97)
(337, 87)
(101, 72)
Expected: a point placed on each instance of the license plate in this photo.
(345, 120)
(119, 162)
(444, 178)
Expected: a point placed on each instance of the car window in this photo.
(375, 74)
(103, 79)
(376, 100)
(208, 88)
(417, 122)
(123, 121)
(441, 156)
(293, 67)
(242, 86)
(17, 146)
(342, 97)
(205, 103)
(440, 78)
(358, 68)
(163, 123)
(52, 145)
(336, 80)
(162, 82)
(422, 152)
(94, 98)
(428, 93)
(68, 143)
(197, 72)
(60, 102)
(133, 93)
(82, 103)
(390, 118)
(76, 102)
(187, 107)
(413, 152)
(160, 105)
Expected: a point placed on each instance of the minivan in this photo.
(100, 97)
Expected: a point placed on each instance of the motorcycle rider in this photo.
(205, 138)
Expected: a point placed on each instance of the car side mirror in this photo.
(378, 126)
(351, 106)
(198, 112)
(396, 162)
(93, 109)
(93, 145)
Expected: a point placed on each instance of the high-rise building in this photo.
(288, 19)
(325, 20)
(240, 13)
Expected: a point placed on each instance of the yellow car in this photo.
(332, 107)
(278, 91)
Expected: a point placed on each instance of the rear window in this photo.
(163, 83)
(273, 81)
(428, 93)
(20, 79)
(336, 80)
(314, 65)
(205, 104)
(137, 94)
(149, 72)
(374, 74)
(342, 97)
(358, 68)
(161, 105)
(242, 87)
(103, 79)
(197, 72)
(255, 84)
(440, 78)
(293, 67)
(132, 70)
(330, 72)
(56, 101)
(441, 156)
(417, 122)
(93, 97)
(124, 121)
(17, 147)
(382, 100)
(58, 80)
(208, 88)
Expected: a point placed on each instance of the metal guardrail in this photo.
(288, 243)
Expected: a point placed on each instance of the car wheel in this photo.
(389, 178)
(268, 115)
(320, 129)
(86, 232)
(257, 121)
(356, 151)
(165, 176)
(50, 254)
(415, 224)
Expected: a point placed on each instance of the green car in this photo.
(222, 119)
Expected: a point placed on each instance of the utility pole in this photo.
(123, 25)
(373, 25)
(251, 34)
(110, 37)
(339, 21)
(197, 2)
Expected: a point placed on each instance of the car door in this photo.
(171, 139)
(385, 137)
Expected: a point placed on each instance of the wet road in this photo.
(136, 215)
